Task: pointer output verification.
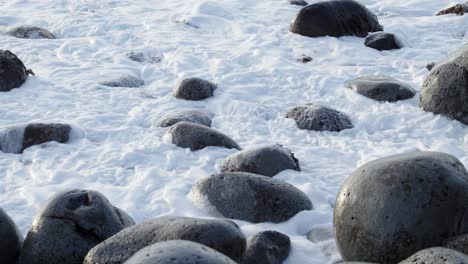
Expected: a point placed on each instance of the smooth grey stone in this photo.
(10, 239)
(250, 197)
(320, 234)
(13, 73)
(381, 88)
(123, 81)
(335, 18)
(459, 243)
(29, 32)
(319, 118)
(178, 252)
(70, 224)
(18, 138)
(190, 116)
(437, 255)
(194, 89)
(392, 207)
(267, 247)
(267, 160)
(298, 2)
(195, 137)
(382, 41)
(445, 90)
(221, 235)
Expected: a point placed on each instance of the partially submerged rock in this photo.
(298, 2)
(382, 41)
(196, 137)
(221, 235)
(13, 73)
(319, 118)
(267, 247)
(194, 89)
(10, 239)
(381, 88)
(458, 9)
(267, 160)
(250, 197)
(335, 18)
(123, 81)
(70, 225)
(190, 116)
(178, 252)
(320, 234)
(30, 32)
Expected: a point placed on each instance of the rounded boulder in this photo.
(11, 239)
(267, 247)
(13, 73)
(319, 118)
(194, 89)
(392, 207)
(381, 88)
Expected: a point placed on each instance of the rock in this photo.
(335, 18)
(221, 235)
(194, 89)
(123, 81)
(267, 247)
(319, 118)
(392, 207)
(250, 197)
(140, 57)
(267, 160)
(13, 73)
(320, 234)
(437, 255)
(459, 243)
(382, 41)
(381, 88)
(28, 32)
(18, 138)
(298, 2)
(195, 137)
(459, 10)
(190, 116)
(70, 224)
(430, 66)
(305, 59)
(445, 90)
(178, 252)
(11, 239)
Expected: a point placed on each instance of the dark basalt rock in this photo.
(178, 252)
(250, 197)
(305, 59)
(319, 118)
(382, 41)
(381, 88)
(190, 116)
(70, 225)
(459, 243)
(458, 10)
(267, 160)
(13, 73)
(298, 2)
(29, 32)
(445, 90)
(437, 255)
(267, 247)
(430, 66)
(194, 89)
(390, 208)
(123, 81)
(11, 239)
(195, 137)
(335, 18)
(221, 235)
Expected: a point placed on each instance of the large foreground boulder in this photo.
(70, 225)
(381, 88)
(335, 18)
(18, 138)
(267, 160)
(250, 197)
(445, 90)
(221, 235)
(319, 118)
(178, 252)
(390, 208)
(195, 137)
(30, 32)
(13, 73)
(10, 239)
(191, 116)
(382, 41)
(194, 89)
(267, 247)
(437, 255)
